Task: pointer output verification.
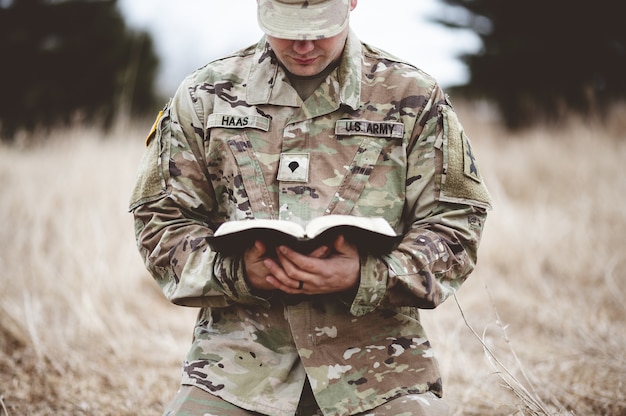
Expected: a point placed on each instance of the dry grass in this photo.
(84, 330)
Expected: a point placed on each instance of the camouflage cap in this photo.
(303, 20)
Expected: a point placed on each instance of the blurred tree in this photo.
(71, 60)
(542, 59)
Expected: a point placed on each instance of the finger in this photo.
(295, 263)
(277, 284)
(320, 253)
(258, 249)
(256, 271)
(279, 278)
(343, 247)
(299, 268)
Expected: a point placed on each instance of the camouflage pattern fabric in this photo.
(303, 20)
(191, 401)
(377, 138)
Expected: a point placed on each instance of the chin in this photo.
(306, 71)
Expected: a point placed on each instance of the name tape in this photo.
(230, 121)
(388, 129)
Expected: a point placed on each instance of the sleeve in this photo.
(446, 208)
(172, 202)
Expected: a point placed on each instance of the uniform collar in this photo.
(268, 83)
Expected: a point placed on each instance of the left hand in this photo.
(338, 270)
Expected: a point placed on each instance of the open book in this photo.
(372, 235)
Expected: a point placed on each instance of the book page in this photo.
(376, 224)
(372, 235)
(287, 227)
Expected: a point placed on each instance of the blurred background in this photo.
(538, 329)
(68, 61)
(216, 28)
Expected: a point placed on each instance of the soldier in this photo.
(308, 122)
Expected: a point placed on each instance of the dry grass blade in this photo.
(5, 412)
(534, 405)
(609, 279)
(12, 334)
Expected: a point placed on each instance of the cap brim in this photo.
(286, 21)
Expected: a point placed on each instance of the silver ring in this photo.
(300, 284)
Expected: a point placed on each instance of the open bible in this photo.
(372, 235)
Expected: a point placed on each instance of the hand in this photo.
(326, 270)
(257, 273)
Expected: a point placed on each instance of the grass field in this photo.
(538, 329)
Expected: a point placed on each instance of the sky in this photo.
(190, 33)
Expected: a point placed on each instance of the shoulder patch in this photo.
(461, 181)
(153, 172)
(470, 166)
(154, 128)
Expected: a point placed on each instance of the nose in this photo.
(303, 47)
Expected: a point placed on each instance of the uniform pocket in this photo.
(374, 183)
(237, 176)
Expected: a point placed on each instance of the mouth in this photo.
(301, 61)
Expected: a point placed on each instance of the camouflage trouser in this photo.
(191, 401)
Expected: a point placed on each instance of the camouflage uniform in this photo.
(377, 138)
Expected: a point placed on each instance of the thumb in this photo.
(341, 246)
(259, 249)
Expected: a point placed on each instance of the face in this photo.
(308, 57)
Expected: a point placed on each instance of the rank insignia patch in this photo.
(294, 167)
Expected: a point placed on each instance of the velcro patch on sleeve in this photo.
(153, 172)
(461, 181)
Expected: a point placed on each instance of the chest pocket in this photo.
(235, 169)
(356, 178)
(378, 141)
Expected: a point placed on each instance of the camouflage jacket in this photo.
(377, 138)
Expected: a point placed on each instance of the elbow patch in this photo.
(461, 181)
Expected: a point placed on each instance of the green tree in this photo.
(544, 58)
(68, 60)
